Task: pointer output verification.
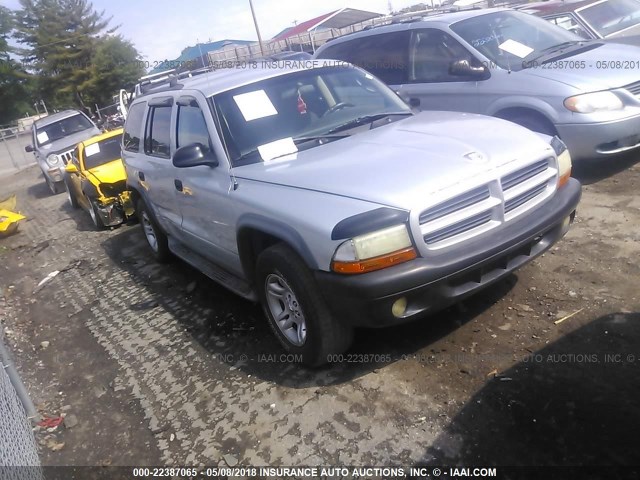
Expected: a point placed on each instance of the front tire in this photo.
(95, 216)
(71, 196)
(156, 239)
(297, 313)
(54, 187)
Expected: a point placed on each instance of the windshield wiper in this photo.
(552, 49)
(365, 119)
(318, 138)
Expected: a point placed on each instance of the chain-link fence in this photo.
(18, 451)
(13, 157)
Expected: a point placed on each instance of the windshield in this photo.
(267, 119)
(611, 16)
(507, 38)
(63, 128)
(102, 152)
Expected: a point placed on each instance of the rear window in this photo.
(133, 127)
(62, 128)
(102, 152)
(385, 55)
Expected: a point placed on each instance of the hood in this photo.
(402, 163)
(69, 142)
(111, 172)
(630, 34)
(592, 78)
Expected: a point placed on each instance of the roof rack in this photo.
(167, 80)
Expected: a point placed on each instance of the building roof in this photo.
(197, 51)
(336, 19)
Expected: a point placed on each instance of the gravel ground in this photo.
(155, 364)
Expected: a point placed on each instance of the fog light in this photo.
(399, 307)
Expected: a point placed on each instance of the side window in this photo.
(133, 127)
(191, 127)
(432, 52)
(568, 22)
(158, 136)
(385, 55)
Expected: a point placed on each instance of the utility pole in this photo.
(255, 22)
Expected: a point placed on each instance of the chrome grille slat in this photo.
(519, 176)
(455, 204)
(515, 202)
(633, 88)
(458, 228)
(66, 156)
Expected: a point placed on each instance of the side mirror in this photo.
(28, 148)
(71, 168)
(463, 68)
(194, 155)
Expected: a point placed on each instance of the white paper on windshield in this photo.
(515, 48)
(255, 105)
(285, 146)
(91, 149)
(42, 137)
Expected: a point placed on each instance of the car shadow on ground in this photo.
(592, 171)
(235, 330)
(574, 402)
(40, 189)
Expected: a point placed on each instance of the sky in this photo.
(161, 29)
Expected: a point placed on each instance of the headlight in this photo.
(564, 160)
(374, 251)
(594, 102)
(53, 159)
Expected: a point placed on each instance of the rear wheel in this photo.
(296, 311)
(156, 239)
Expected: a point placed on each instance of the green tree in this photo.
(116, 64)
(14, 97)
(60, 38)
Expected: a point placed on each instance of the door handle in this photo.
(414, 102)
(141, 176)
(178, 184)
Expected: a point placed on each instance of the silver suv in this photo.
(53, 140)
(510, 65)
(317, 192)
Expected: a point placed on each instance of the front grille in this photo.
(527, 184)
(515, 202)
(66, 156)
(524, 174)
(485, 207)
(455, 204)
(458, 228)
(634, 88)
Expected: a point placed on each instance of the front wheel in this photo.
(71, 195)
(296, 311)
(156, 239)
(95, 216)
(54, 187)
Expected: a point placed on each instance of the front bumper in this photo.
(117, 211)
(367, 299)
(601, 140)
(55, 174)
